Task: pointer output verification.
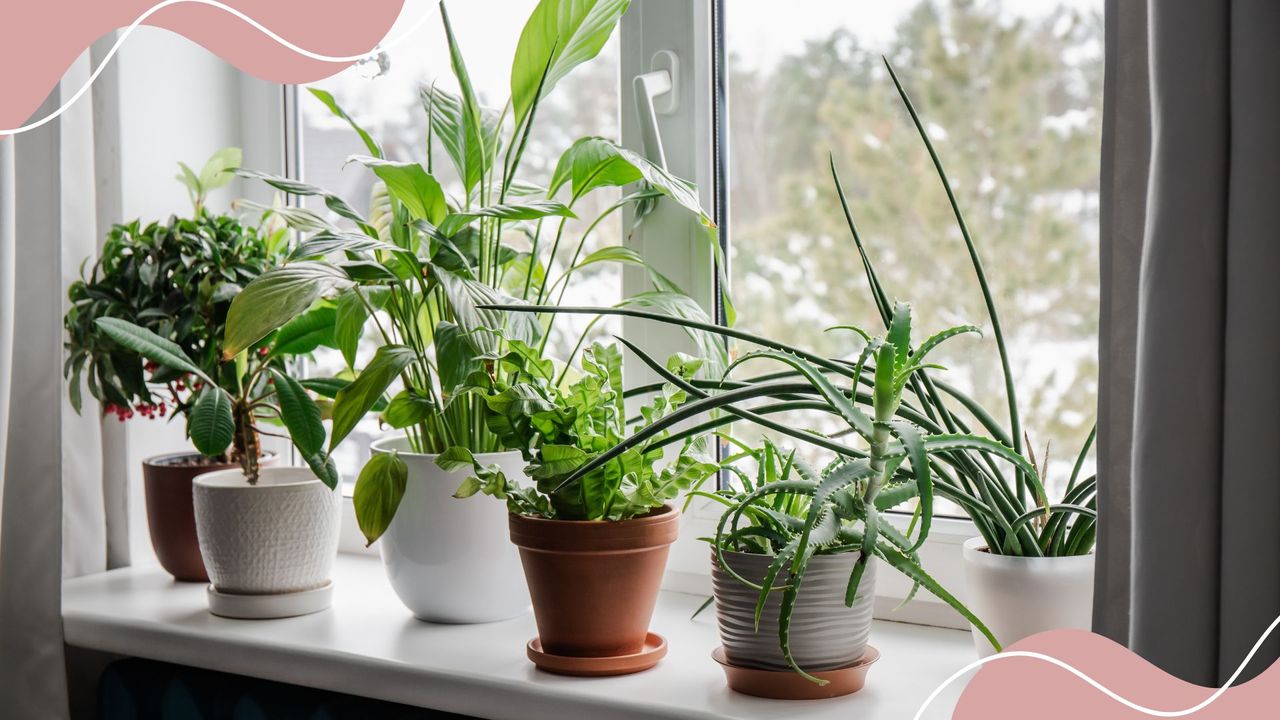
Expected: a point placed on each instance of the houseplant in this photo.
(415, 271)
(176, 279)
(593, 547)
(1025, 540)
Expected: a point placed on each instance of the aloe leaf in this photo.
(852, 415)
(940, 337)
(913, 442)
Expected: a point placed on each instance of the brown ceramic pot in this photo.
(594, 583)
(166, 481)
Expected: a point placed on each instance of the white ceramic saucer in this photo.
(262, 607)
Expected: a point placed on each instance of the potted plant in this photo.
(828, 522)
(175, 279)
(1030, 568)
(415, 271)
(593, 544)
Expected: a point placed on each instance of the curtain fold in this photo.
(64, 494)
(1196, 325)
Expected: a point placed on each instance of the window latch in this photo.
(657, 93)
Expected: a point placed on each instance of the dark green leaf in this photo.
(379, 490)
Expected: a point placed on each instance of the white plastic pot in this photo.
(278, 536)
(450, 560)
(1017, 597)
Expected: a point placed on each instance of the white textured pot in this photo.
(1017, 597)
(278, 536)
(450, 560)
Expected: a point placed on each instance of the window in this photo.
(1011, 93)
(385, 101)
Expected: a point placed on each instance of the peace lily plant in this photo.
(438, 243)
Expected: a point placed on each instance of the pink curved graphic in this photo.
(1024, 687)
(39, 39)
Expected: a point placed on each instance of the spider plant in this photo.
(1006, 500)
(773, 513)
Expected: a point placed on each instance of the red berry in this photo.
(180, 386)
(262, 352)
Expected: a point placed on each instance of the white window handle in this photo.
(657, 93)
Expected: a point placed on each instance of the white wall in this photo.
(179, 102)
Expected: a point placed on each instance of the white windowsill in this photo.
(367, 644)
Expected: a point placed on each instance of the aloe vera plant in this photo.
(1006, 500)
(792, 512)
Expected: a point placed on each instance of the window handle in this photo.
(657, 93)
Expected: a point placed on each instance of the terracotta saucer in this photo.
(787, 685)
(655, 648)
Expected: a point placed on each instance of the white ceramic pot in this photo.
(450, 560)
(275, 537)
(1017, 597)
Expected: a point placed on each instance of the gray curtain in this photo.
(63, 493)
(1189, 548)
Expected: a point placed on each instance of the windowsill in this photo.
(367, 644)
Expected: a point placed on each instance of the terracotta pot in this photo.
(594, 583)
(166, 482)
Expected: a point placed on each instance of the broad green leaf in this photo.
(379, 489)
(411, 184)
(210, 423)
(330, 387)
(218, 170)
(297, 218)
(325, 243)
(326, 98)
(358, 398)
(528, 210)
(594, 162)
(324, 468)
(485, 328)
(557, 461)
(408, 408)
(612, 253)
(276, 297)
(455, 357)
(306, 332)
(478, 155)
(349, 321)
(455, 458)
(189, 178)
(331, 201)
(299, 413)
(149, 345)
(559, 36)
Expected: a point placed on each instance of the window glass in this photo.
(1011, 94)
(386, 103)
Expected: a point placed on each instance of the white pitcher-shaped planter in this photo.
(450, 560)
(1018, 597)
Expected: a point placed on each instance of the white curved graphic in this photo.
(379, 48)
(1099, 686)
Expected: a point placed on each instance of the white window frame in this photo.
(672, 242)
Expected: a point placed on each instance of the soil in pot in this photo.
(594, 584)
(277, 537)
(166, 482)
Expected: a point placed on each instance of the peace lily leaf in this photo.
(299, 413)
(411, 184)
(358, 398)
(297, 218)
(559, 36)
(408, 408)
(294, 187)
(306, 332)
(348, 325)
(325, 243)
(482, 327)
(210, 424)
(276, 297)
(529, 210)
(612, 253)
(326, 98)
(379, 489)
(477, 156)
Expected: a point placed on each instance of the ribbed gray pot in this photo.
(825, 635)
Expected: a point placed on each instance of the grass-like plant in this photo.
(1006, 500)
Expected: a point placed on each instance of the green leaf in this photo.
(358, 398)
(306, 332)
(455, 458)
(478, 156)
(324, 468)
(912, 440)
(326, 98)
(379, 490)
(217, 171)
(276, 297)
(297, 218)
(149, 345)
(348, 325)
(325, 243)
(612, 253)
(594, 162)
(559, 36)
(408, 408)
(299, 413)
(455, 357)
(900, 334)
(530, 210)
(412, 185)
(331, 201)
(330, 387)
(937, 339)
(210, 423)
(485, 328)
